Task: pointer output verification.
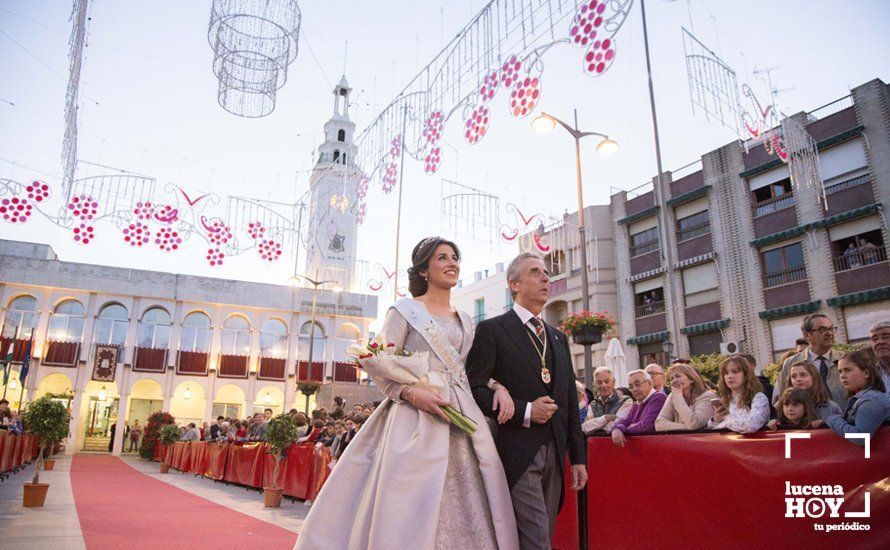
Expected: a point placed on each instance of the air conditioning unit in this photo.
(729, 348)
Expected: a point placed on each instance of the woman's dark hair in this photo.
(420, 261)
(865, 360)
(799, 397)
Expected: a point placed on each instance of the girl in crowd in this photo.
(868, 406)
(795, 411)
(688, 406)
(742, 407)
(804, 375)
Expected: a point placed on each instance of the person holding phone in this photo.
(742, 407)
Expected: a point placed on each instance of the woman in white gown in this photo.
(410, 479)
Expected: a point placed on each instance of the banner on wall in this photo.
(105, 363)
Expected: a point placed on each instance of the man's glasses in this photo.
(825, 330)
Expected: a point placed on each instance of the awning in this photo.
(639, 215)
(648, 338)
(710, 326)
(690, 196)
(837, 138)
(646, 274)
(780, 236)
(787, 311)
(695, 260)
(863, 297)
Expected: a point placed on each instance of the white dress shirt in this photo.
(525, 317)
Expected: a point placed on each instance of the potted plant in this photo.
(280, 434)
(308, 388)
(168, 435)
(587, 327)
(150, 436)
(48, 420)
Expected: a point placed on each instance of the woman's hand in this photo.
(425, 400)
(503, 403)
(720, 413)
(772, 425)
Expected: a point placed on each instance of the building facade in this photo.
(123, 343)
(754, 253)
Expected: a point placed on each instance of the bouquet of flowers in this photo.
(381, 358)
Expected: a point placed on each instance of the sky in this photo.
(148, 105)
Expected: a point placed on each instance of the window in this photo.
(21, 316)
(66, 323)
(318, 342)
(341, 135)
(479, 306)
(700, 284)
(782, 266)
(708, 342)
(273, 339)
(773, 197)
(693, 226)
(196, 333)
(235, 336)
(649, 302)
(859, 250)
(556, 263)
(644, 242)
(154, 329)
(336, 156)
(112, 325)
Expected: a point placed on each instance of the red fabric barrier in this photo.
(199, 457)
(302, 474)
(16, 452)
(6, 447)
(728, 490)
(23, 449)
(217, 455)
(245, 463)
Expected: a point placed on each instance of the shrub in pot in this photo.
(280, 434)
(587, 327)
(168, 435)
(48, 420)
(150, 435)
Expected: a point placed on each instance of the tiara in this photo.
(424, 243)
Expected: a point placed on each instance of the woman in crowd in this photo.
(688, 406)
(794, 411)
(240, 430)
(803, 375)
(868, 406)
(742, 407)
(302, 424)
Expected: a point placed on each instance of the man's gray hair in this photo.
(807, 325)
(513, 271)
(641, 372)
(603, 369)
(880, 325)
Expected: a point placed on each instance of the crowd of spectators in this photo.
(817, 387)
(9, 419)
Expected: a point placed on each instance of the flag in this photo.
(7, 360)
(26, 362)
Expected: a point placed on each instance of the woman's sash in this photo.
(420, 320)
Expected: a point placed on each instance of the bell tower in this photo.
(333, 185)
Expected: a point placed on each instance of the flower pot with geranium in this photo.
(168, 435)
(280, 434)
(48, 420)
(587, 327)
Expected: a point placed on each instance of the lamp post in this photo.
(315, 284)
(545, 123)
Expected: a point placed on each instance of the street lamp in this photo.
(545, 123)
(667, 347)
(315, 284)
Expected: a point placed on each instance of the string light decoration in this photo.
(468, 212)
(76, 44)
(254, 42)
(501, 48)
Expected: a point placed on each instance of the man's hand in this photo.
(542, 409)
(579, 476)
(503, 403)
(618, 438)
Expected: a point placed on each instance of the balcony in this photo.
(702, 307)
(345, 371)
(18, 350)
(192, 362)
(774, 204)
(61, 354)
(643, 248)
(696, 246)
(271, 368)
(233, 366)
(784, 277)
(650, 318)
(786, 288)
(862, 271)
(307, 372)
(849, 194)
(150, 359)
(645, 310)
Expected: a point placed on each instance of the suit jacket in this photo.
(836, 390)
(502, 351)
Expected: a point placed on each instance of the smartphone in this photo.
(716, 403)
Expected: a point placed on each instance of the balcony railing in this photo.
(703, 297)
(774, 204)
(63, 354)
(694, 231)
(847, 184)
(150, 359)
(645, 310)
(862, 258)
(784, 277)
(643, 248)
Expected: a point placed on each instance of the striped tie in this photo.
(539, 327)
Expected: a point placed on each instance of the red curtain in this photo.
(7, 445)
(18, 352)
(726, 490)
(233, 366)
(150, 360)
(193, 362)
(344, 371)
(62, 353)
(271, 368)
(315, 372)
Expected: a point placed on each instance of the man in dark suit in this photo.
(532, 360)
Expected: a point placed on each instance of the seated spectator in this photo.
(315, 434)
(191, 434)
(803, 375)
(868, 406)
(742, 407)
(641, 416)
(794, 411)
(240, 430)
(302, 424)
(688, 407)
(607, 405)
(880, 345)
(655, 371)
(257, 431)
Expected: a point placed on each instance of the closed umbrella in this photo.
(617, 362)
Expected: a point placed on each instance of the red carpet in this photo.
(119, 507)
